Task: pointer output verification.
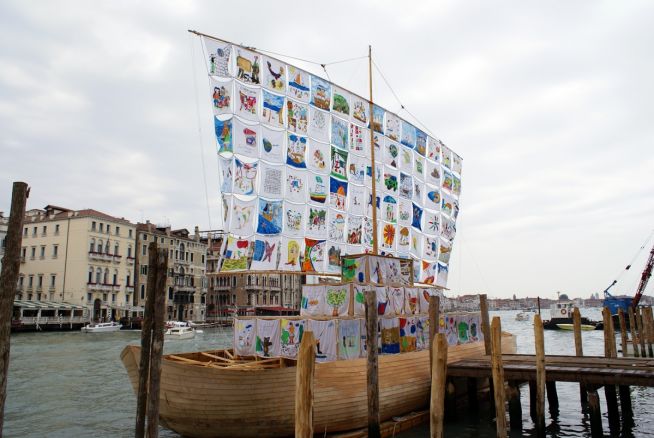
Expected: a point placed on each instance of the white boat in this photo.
(171, 324)
(180, 333)
(101, 327)
(522, 316)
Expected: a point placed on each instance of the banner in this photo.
(434, 149)
(274, 75)
(391, 153)
(316, 222)
(422, 333)
(268, 338)
(321, 92)
(289, 259)
(325, 334)
(448, 228)
(359, 140)
(273, 148)
(359, 292)
(334, 251)
(392, 126)
(353, 269)
(244, 336)
(242, 217)
(295, 186)
(382, 300)
(292, 331)
(432, 223)
(411, 304)
(349, 338)
(247, 102)
(313, 300)
(408, 137)
(360, 110)
(314, 255)
(403, 240)
(354, 230)
(318, 186)
(298, 84)
(221, 96)
(428, 272)
(390, 335)
(433, 173)
(265, 253)
(297, 116)
(318, 159)
(356, 169)
(441, 279)
(421, 142)
(408, 334)
(273, 109)
(245, 175)
(223, 129)
(341, 102)
(296, 148)
(248, 65)
(337, 299)
(236, 255)
(271, 216)
(319, 124)
(395, 300)
(271, 180)
(226, 174)
(294, 219)
(337, 193)
(338, 163)
(357, 198)
(337, 226)
(218, 57)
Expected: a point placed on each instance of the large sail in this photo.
(295, 172)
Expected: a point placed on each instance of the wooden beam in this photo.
(610, 351)
(304, 374)
(595, 414)
(372, 366)
(8, 281)
(540, 376)
(579, 351)
(515, 408)
(498, 377)
(434, 320)
(632, 328)
(623, 332)
(438, 379)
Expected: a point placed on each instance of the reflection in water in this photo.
(74, 385)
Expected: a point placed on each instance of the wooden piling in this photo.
(623, 333)
(515, 408)
(146, 342)
(156, 350)
(610, 351)
(595, 414)
(641, 330)
(540, 376)
(498, 376)
(372, 369)
(632, 328)
(8, 281)
(473, 401)
(434, 320)
(306, 360)
(532, 400)
(438, 379)
(552, 398)
(485, 323)
(649, 329)
(579, 350)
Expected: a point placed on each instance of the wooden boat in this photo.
(214, 394)
(584, 327)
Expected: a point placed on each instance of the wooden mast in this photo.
(372, 160)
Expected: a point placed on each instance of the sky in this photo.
(103, 105)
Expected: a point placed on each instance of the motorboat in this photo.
(523, 316)
(102, 327)
(561, 312)
(180, 333)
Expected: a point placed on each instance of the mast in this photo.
(372, 159)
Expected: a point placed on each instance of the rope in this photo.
(200, 136)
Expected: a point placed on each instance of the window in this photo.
(23, 252)
(117, 231)
(92, 246)
(98, 276)
(105, 278)
(234, 299)
(56, 229)
(142, 291)
(145, 237)
(129, 251)
(89, 297)
(53, 279)
(129, 233)
(34, 231)
(191, 257)
(115, 279)
(42, 254)
(144, 250)
(144, 269)
(101, 229)
(55, 251)
(33, 255)
(116, 249)
(45, 230)
(113, 298)
(162, 240)
(128, 280)
(25, 232)
(93, 226)
(203, 259)
(106, 248)
(40, 281)
(170, 293)
(30, 281)
(100, 246)
(90, 279)
(104, 297)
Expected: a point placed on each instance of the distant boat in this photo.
(522, 316)
(584, 327)
(102, 327)
(180, 333)
(561, 314)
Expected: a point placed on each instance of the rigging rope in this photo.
(200, 136)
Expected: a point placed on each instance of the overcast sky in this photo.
(103, 105)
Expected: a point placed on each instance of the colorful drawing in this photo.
(340, 130)
(444, 251)
(268, 338)
(318, 159)
(218, 57)
(392, 126)
(273, 109)
(226, 174)
(317, 221)
(264, 254)
(390, 180)
(321, 93)
(337, 299)
(297, 115)
(334, 251)
(417, 217)
(457, 163)
(406, 186)
(349, 338)
(337, 226)
(296, 151)
(244, 334)
(247, 64)
(388, 236)
(270, 217)
(446, 156)
(378, 119)
(448, 228)
(432, 222)
(236, 255)
(405, 212)
(339, 163)
(408, 135)
(314, 255)
(359, 140)
(244, 177)
(246, 106)
(274, 75)
(360, 110)
(356, 169)
(390, 335)
(319, 124)
(325, 334)
(298, 84)
(290, 255)
(391, 153)
(223, 129)
(434, 149)
(403, 242)
(441, 279)
(456, 185)
(318, 188)
(294, 219)
(271, 181)
(272, 145)
(408, 334)
(292, 331)
(337, 193)
(389, 209)
(341, 101)
(221, 97)
(430, 247)
(242, 217)
(354, 230)
(421, 142)
(245, 139)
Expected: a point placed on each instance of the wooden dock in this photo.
(591, 370)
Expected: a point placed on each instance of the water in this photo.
(74, 385)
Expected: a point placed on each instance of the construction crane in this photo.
(644, 278)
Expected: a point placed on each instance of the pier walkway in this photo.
(590, 370)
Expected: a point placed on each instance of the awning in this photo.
(27, 304)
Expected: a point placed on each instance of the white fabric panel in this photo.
(295, 185)
(298, 84)
(247, 103)
(226, 169)
(246, 139)
(441, 278)
(325, 334)
(245, 332)
(391, 154)
(411, 304)
(218, 59)
(271, 180)
(444, 251)
(318, 159)
(392, 126)
(289, 258)
(297, 114)
(294, 219)
(319, 124)
(266, 253)
(291, 336)
(341, 102)
(274, 75)
(337, 300)
(354, 230)
(248, 66)
(316, 222)
(448, 228)
(431, 223)
(360, 110)
(357, 198)
(336, 224)
(222, 96)
(272, 111)
(356, 169)
(403, 239)
(268, 338)
(273, 146)
(313, 300)
(318, 188)
(359, 140)
(396, 300)
(245, 177)
(434, 149)
(243, 217)
(349, 338)
(333, 259)
(432, 197)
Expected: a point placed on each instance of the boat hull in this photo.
(201, 401)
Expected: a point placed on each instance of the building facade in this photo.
(81, 257)
(3, 234)
(186, 283)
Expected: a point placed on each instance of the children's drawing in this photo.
(273, 109)
(246, 104)
(298, 84)
(341, 102)
(244, 336)
(360, 110)
(321, 93)
(432, 222)
(296, 151)
(318, 158)
(408, 334)
(421, 142)
(272, 145)
(359, 140)
(218, 60)
(349, 338)
(271, 181)
(289, 258)
(316, 222)
(325, 334)
(356, 197)
(294, 219)
(378, 119)
(242, 217)
(223, 130)
(340, 131)
(268, 338)
(337, 226)
(265, 253)
(318, 188)
(392, 126)
(297, 115)
(339, 163)
(391, 153)
(408, 137)
(296, 185)
(236, 255)
(292, 331)
(314, 255)
(354, 229)
(274, 75)
(390, 335)
(221, 97)
(245, 175)
(389, 209)
(337, 193)
(226, 174)
(337, 299)
(319, 124)
(270, 217)
(417, 217)
(444, 251)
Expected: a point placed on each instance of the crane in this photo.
(644, 278)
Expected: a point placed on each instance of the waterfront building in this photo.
(186, 283)
(80, 257)
(4, 221)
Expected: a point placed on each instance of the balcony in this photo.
(98, 287)
(183, 288)
(129, 289)
(100, 256)
(115, 287)
(116, 258)
(130, 261)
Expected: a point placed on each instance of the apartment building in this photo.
(186, 284)
(4, 221)
(81, 257)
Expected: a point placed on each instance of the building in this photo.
(79, 257)
(186, 285)
(3, 234)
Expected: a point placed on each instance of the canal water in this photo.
(72, 384)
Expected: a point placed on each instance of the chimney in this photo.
(197, 233)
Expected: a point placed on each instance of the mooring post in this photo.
(438, 379)
(532, 400)
(515, 408)
(8, 281)
(304, 386)
(649, 329)
(552, 398)
(641, 330)
(146, 345)
(434, 319)
(486, 332)
(623, 332)
(595, 414)
(498, 376)
(632, 328)
(540, 375)
(161, 272)
(579, 350)
(372, 369)
(610, 352)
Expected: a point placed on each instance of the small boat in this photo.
(171, 324)
(522, 316)
(180, 333)
(561, 315)
(102, 327)
(584, 327)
